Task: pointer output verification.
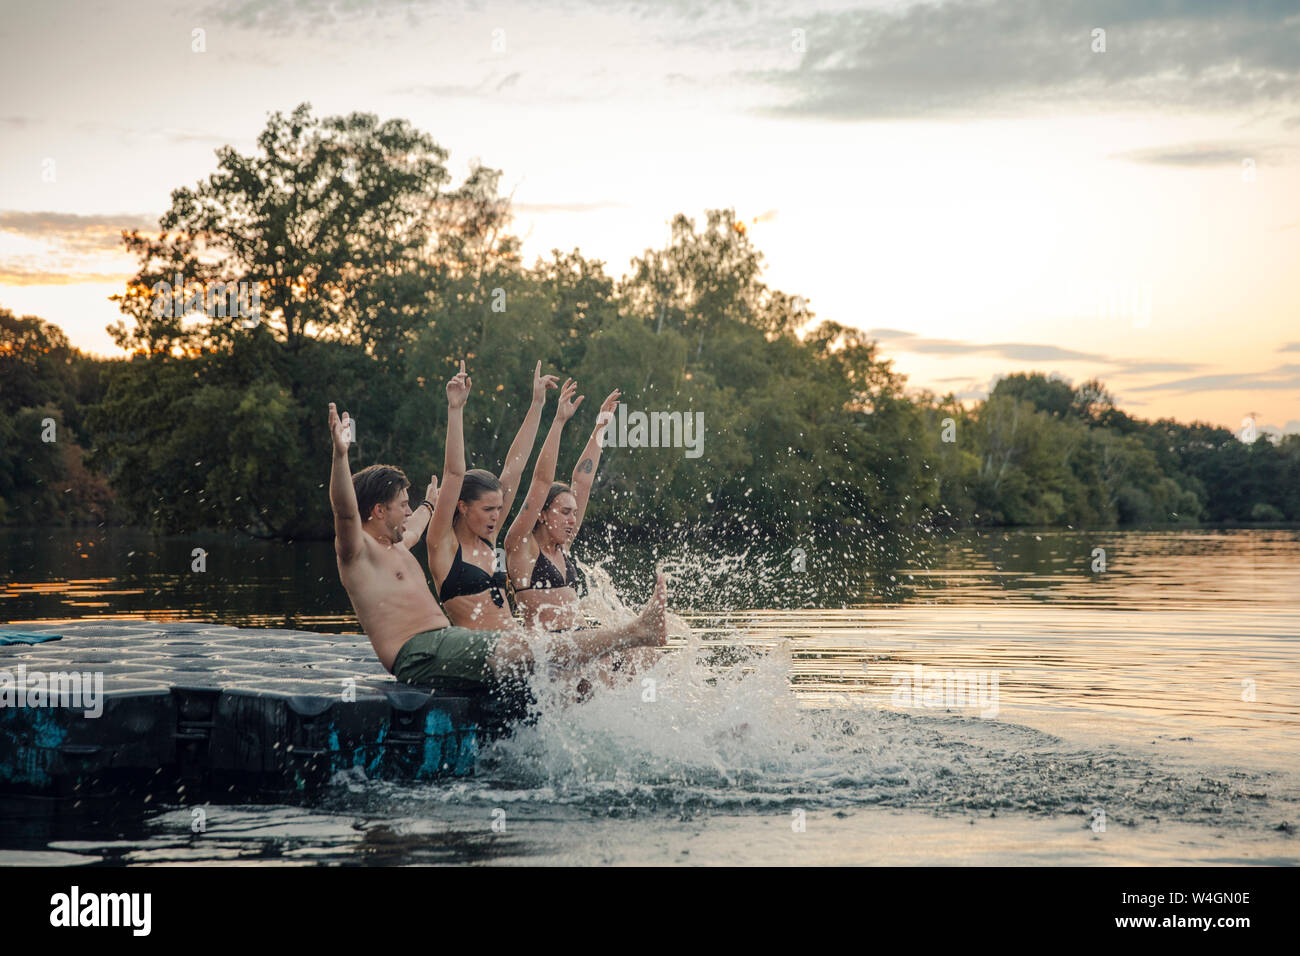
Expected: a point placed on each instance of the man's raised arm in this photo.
(343, 497)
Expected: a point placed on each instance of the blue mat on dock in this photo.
(26, 637)
(166, 710)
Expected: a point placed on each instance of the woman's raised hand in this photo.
(607, 408)
(541, 383)
(566, 407)
(458, 388)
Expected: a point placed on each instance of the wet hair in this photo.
(377, 485)
(476, 483)
(557, 488)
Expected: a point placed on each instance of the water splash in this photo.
(717, 725)
(603, 605)
(734, 738)
(679, 724)
(763, 569)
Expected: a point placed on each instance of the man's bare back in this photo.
(385, 583)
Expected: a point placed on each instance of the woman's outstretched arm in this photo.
(584, 473)
(421, 515)
(544, 470)
(453, 470)
(522, 446)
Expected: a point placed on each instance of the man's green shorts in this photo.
(450, 656)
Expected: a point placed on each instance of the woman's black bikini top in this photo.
(547, 575)
(465, 578)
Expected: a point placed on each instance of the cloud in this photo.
(279, 16)
(74, 233)
(1136, 367)
(169, 134)
(573, 207)
(275, 16)
(16, 275)
(551, 90)
(69, 248)
(1200, 155)
(188, 136)
(1024, 351)
(900, 341)
(874, 59)
(1290, 347)
(130, 134)
(1013, 55)
(1282, 377)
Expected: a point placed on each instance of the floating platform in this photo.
(196, 708)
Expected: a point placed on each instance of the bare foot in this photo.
(652, 623)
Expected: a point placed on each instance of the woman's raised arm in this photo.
(421, 515)
(453, 465)
(544, 470)
(522, 446)
(584, 473)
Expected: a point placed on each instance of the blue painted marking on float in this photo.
(467, 754)
(30, 743)
(437, 727)
(379, 749)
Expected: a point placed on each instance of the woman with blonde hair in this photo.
(539, 543)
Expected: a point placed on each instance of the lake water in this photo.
(1046, 696)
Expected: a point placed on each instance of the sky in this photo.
(987, 188)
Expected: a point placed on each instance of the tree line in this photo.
(376, 277)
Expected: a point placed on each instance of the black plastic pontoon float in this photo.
(210, 708)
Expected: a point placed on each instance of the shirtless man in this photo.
(410, 634)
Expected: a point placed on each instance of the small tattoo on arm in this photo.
(585, 466)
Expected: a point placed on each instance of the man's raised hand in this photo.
(339, 430)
